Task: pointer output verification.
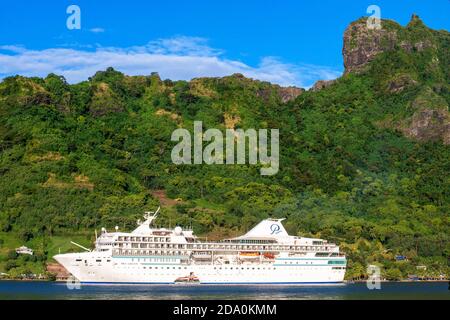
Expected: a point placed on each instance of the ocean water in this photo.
(17, 290)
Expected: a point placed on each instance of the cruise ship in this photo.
(150, 255)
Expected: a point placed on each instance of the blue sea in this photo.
(19, 290)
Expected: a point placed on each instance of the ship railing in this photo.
(224, 247)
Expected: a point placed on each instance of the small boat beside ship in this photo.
(191, 278)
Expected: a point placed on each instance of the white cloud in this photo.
(182, 45)
(13, 48)
(97, 30)
(179, 58)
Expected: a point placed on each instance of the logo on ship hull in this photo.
(275, 229)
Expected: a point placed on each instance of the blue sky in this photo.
(287, 42)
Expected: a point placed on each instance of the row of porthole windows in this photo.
(139, 270)
(215, 268)
(154, 260)
(297, 262)
(146, 252)
(136, 266)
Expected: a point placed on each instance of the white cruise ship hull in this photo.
(102, 269)
(266, 254)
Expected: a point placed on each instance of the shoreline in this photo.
(394, 281)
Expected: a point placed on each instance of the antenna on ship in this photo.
(150, 216)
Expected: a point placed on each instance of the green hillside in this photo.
(364, 161)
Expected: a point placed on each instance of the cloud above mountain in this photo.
(177, 58)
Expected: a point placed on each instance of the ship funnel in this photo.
(270, 228)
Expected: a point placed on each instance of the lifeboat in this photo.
(249, 255)
(200, 255)
(268, 255)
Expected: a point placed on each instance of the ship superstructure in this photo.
(264, 255)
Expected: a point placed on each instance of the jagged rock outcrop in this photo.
(322, 84)
(362, 44)
(417, 54)
(289, 93)
(400, 82)
(429, 125)
(430, 121)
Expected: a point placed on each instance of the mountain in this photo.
(364, 159)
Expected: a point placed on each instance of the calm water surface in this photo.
(51, 291)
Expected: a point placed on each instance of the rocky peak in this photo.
(362, 44)
(415, 22)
